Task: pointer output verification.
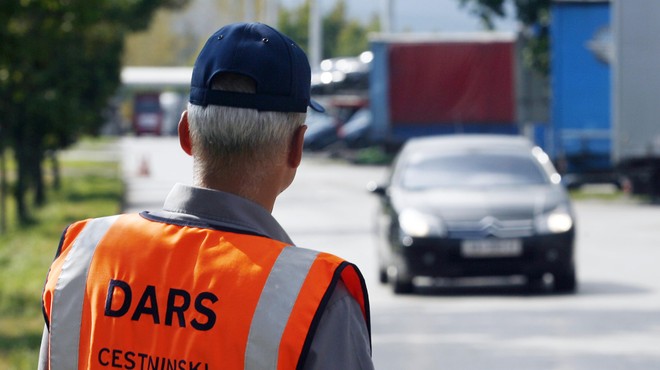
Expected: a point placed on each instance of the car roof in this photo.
(462, 142)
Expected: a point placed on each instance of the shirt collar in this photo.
(189, 203)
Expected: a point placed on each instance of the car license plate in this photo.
(488, 248)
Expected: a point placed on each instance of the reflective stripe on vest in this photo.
(70, 293)
(275, 305)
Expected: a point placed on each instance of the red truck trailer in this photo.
(442, 84)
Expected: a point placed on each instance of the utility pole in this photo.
(272, 9)
(315, 34)
(386, 15)
(3, 189)
(249, 13)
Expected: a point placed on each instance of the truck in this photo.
(442, 83)
(603, 125)
(578, 134)
(147, 113)
(636, 89)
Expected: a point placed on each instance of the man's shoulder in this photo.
(339, 294)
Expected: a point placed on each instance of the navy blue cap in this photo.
(278, 66)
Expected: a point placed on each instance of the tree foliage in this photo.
(59, 64)
(535, 17)
(157, 46)
(341, 36)
(295, 24)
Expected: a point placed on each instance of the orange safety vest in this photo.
(127, 292)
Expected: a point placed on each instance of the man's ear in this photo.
(184, 133)
(296, 149)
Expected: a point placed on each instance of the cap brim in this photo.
(316, 106)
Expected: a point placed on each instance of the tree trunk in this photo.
(22, 184)
(37, 175)
(3, 190)
(34, 156)
(55, 169)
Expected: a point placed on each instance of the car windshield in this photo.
(472, 170)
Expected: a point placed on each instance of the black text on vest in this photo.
(178, 302)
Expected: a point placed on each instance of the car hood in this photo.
(512, 203)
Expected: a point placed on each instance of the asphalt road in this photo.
(612, 322)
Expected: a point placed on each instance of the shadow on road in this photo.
(518, 287)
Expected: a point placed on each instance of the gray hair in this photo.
(225, 138)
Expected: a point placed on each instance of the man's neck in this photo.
(260, 187)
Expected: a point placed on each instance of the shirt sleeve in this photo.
(43, 351)
(341, 340)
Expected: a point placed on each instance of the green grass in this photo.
(89, 189)
(603, 192)
(372, 156)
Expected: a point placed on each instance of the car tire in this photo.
(565, 282)
(382, 275)
(402, 285)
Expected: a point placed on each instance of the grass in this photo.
(602, 192)
(89, 189)
(372, 156)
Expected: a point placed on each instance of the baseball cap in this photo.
(278, 66)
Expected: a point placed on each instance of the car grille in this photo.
(490, 227)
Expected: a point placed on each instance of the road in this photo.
(613, 322)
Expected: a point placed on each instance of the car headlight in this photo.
(554, 222)
(418, 224)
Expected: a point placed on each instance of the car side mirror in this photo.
(374, 188)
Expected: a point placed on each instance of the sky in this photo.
(417, 15)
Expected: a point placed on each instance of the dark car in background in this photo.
(475, 205)
(355, 132)
(321, 130)
(328, 129)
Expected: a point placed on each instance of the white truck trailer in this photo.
(636, 94)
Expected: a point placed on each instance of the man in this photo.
(212, 281)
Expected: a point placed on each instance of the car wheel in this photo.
(565, 282)
(402, 285)
(382, 275)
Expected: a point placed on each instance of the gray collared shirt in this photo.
(341, 340)
(219, 209)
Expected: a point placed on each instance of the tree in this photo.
(59, 64)
(353, 38)
(341, 36)
(333, 23)
(295, 24)
(160, 44)
(535, 17)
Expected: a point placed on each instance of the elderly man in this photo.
(212, 281)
